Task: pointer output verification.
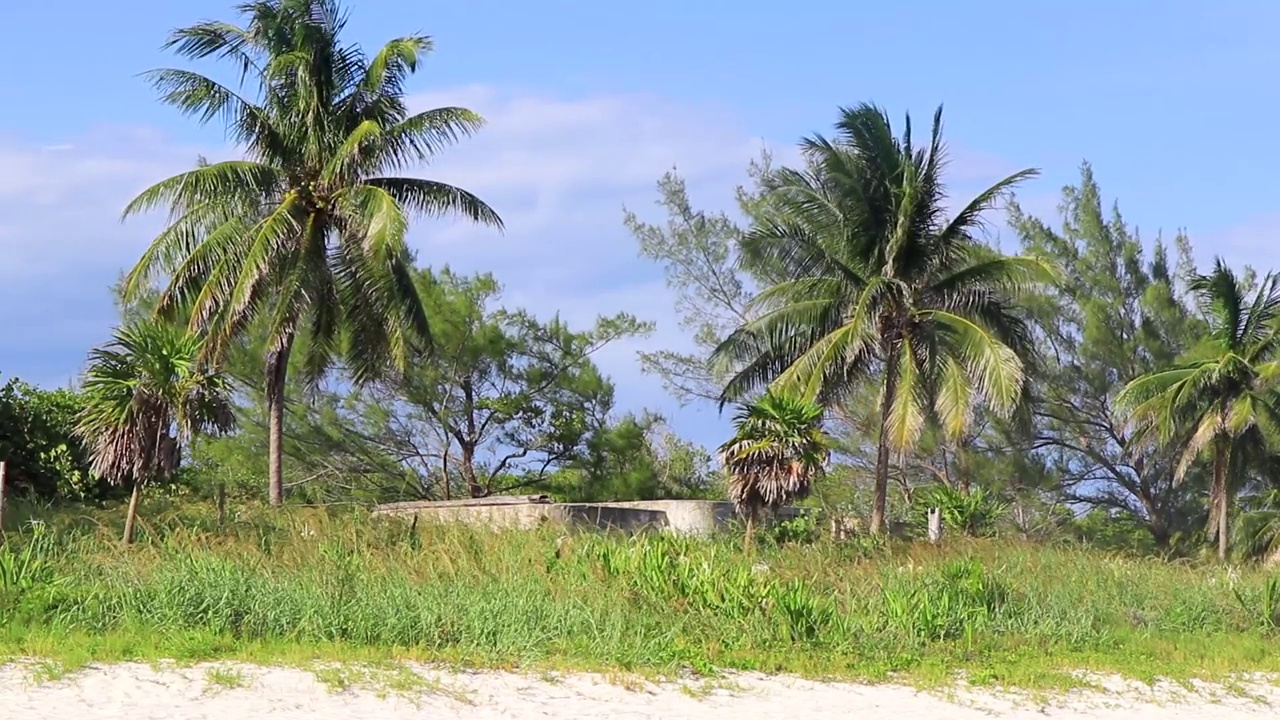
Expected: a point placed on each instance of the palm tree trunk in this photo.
(277, 373)
(748, 539)
(131, 515)
(1218, 495)
(1223, 537)
(879, 504)
(222, 504)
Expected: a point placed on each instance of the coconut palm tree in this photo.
(878, 280)
(777, 450)
(1221, 400)
(145, 393)
(306, 233)
(1256, 533)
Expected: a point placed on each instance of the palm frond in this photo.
(906, 416)
(418, 139)
(994, 368)
(436, 199)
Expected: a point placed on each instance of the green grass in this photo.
(306, 587)
(384, 679)
(44, 671)
(225, 677)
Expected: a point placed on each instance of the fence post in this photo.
(935, 525)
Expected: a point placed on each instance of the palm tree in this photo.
(1221, 401)
(307, 232)
(777, 450)
(877, 279)
(1257, 530)
(145, 393)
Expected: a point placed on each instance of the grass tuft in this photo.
(225, 677)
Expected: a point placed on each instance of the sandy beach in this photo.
(233, 692)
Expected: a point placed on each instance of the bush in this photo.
(974, 513)
(45, 458)
(957, 600)
(803, 529)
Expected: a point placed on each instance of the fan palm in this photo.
(777, 450)
(1221, 401)
(307, 232)
(145, 393)
(876, 278)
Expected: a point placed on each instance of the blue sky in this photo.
(590, 102)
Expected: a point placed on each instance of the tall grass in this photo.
(316, 584)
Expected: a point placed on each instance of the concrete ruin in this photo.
(688, 517)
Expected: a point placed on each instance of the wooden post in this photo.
(935, 525)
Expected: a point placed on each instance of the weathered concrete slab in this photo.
(691, 517)
(527, 515)
(698, 517)
(391, 508)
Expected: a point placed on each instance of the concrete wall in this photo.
(698, 517)
(525, 516)
(612, 517)
(692, 517)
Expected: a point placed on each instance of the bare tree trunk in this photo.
(748, 538)
(131, 515)
(469, 472)
(962, 468)
(879, 504)
(1156, 523)
(448, 493)
(277, 373)
(468, 446)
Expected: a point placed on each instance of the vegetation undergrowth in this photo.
(311, 586)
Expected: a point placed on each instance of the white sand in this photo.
(138, 692)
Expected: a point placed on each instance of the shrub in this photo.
(974, 513)
(44, 457)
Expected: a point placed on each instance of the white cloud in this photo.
(60, 205)
(559, 170)
(599, 143)
(1249, 243)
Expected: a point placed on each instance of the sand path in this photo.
(138, 692)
